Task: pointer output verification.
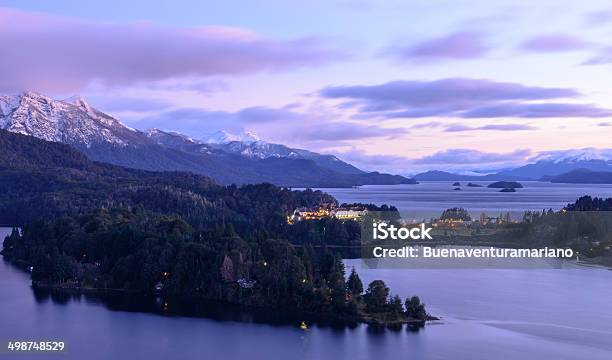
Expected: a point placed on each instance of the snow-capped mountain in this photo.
(574, 155)
(247, 145)
(70, 121)
(553, 163)
(178, 141)
(224, 137)
(73, 121)
(225, 157)
(250, 145)
(264, 150)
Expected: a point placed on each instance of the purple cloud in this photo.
(548, 110)
(469, 156)
(199, 121)
(459, 97)
(195, 122)
(116, 103)
(395, 164)
(495, 127)
(453, 92)
(598, 18)
(458, 128)
(458, 160)
(458, 45)
(604, 57)
(555, 43)
(507, 127)
(51, 53)
(200, 85)
(342, 131)
(427, 125)
(285, 124)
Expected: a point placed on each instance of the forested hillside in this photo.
(45, 180)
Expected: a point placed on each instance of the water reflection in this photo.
(195, 307)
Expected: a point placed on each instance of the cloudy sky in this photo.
(397, 86)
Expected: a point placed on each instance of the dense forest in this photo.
(587, 203)
(43, 180)
(136, 250)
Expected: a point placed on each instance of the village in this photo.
(453, 218)
(327, 210)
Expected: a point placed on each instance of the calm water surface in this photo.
(430, 198)
(487, 314)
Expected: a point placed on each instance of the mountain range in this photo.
(574, 165)
(244, 158)
(583, 176)
(437, 175)
(224, 157)
(550, 167)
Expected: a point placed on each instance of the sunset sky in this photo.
(399, 86)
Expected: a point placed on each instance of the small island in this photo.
(457, 189)
(457, 183)
(505, 185)
(474, 185)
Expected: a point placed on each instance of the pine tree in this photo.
(396, 304)
(415, 309)
(354, 284)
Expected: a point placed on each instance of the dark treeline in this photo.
(587, 203)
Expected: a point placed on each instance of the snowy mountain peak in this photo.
(224, 137)
(251, 146)
(32, 95)
(575, 155)
(78, 101)
(157, 134)
(70, 121)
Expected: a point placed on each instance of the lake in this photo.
(486, 313)
(429, 198)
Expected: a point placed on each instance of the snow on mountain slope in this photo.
(73, 121)
(228, 159)
(575, 155)
(178, 141)
(259, 149)
(70, 121)
(251, 146)
(560, 162)
(224, 137)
